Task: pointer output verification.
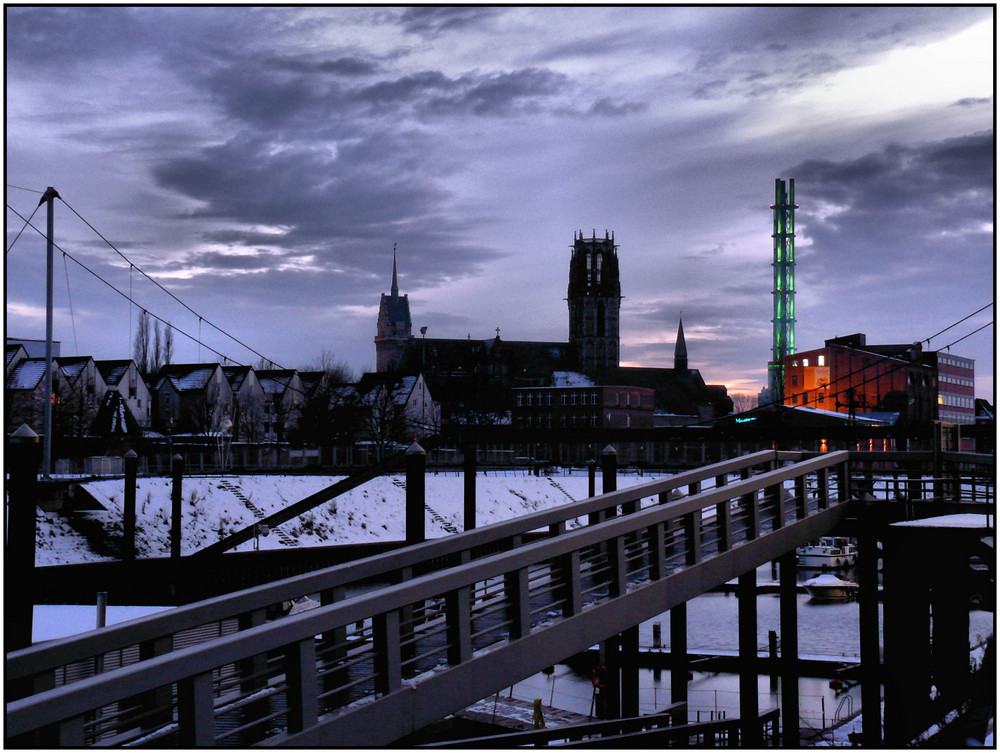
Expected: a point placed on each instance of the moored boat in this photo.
(828, 587)
(829, 552)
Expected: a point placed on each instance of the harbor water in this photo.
(826, 630)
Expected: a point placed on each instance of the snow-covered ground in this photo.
(370, 513)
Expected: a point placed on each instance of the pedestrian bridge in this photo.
(401, 640)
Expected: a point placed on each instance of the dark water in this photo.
(825, 629)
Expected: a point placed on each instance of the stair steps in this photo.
(283, 536)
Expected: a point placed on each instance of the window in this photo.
(805, 361)
(562, 399)
(795, 380)
(821, 360)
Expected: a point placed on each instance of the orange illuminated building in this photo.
(849, 376)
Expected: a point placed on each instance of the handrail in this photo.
(35, 660)
(188, 664)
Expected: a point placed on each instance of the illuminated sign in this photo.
(746, 420)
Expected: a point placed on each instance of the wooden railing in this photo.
(468, 622)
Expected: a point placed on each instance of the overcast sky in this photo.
(261, 163)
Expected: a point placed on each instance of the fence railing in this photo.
(345, 671)
(45, 665)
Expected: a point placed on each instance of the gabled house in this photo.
(192, 398)
(25, 394)
(15, 354)
(396, 409)
(123, 377)
(248, 404)
(283, 396)
(77, 391)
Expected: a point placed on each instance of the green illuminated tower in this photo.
(784, 287)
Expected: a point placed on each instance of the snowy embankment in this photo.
(370, 513)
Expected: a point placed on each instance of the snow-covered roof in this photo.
(865, 418)
(275, 381)
(72, 366)
(27, 375)
(112, 371)
(12, 352)
(571, 379)
(187, 377)
(962, 520)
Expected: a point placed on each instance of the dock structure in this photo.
(405, 638)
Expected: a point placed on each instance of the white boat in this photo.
(828, 553)
(828, 587)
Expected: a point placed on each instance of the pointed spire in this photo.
(395, 286)
(680, 348)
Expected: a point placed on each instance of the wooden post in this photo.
(868, 629)
(416, 465)
(22, 490)
(788, 618)
(630, 672)
(678, 655)
(747, 610)
(469, 471)
(177, 474)
(128, 514)
(609, 479)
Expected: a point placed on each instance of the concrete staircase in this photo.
(283, 537)
(557, 486)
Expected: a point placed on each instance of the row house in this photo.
(193, 399)
(284, 395)
(123, 377)
(77, 392)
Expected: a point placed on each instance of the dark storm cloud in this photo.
(343, 66)
(904, 208)
(430, 21)
(66, 36)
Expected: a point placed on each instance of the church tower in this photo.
(594, 298)
(680, 350)
(394, 326)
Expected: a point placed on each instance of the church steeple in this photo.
(394, 290)
(394, 326)
(680, 349)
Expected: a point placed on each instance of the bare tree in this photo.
(168, 346)
(743, 401)
(156, 359)
(141, 346)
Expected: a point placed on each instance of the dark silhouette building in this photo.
(473, 379)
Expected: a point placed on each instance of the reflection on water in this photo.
(828, 629)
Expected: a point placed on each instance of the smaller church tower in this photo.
(394, 325)
(680, 350)
(594, 298)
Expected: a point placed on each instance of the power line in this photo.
(287, 384)
(161, 287)
(22, 226)
(122, 294)
(928, 340)
(22, 188)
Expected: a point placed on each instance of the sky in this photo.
(261, 164)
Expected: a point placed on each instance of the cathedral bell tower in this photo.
(594, 298)
(394, 325)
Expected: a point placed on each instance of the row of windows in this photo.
(820, 361)
(546, 421)
(957, 401)
(545, 398)
(956, 418)
(956, 380)
(965, 363)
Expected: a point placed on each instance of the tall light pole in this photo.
(49, 195)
